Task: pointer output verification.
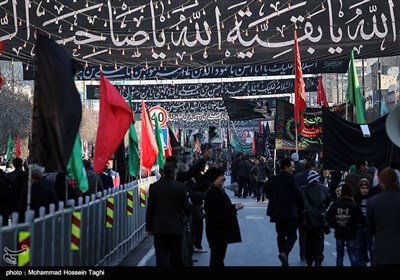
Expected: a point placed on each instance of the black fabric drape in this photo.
(120, 158)
(239, 110)
(344, 143)
(260, 143)
(57, 107)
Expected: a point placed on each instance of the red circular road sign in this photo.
(160, 113)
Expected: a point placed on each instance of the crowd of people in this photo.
(360, 205)
(303, 200)
(47, 187)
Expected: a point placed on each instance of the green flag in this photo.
(160, 160)
(354, 93)
(133, 151)
(10, 147)
(75, 169)
(133, 148)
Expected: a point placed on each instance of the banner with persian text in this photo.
(141, 73)
(196, 33)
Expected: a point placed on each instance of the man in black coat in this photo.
(167, 203)
(285, 203)
(316, 201)
(222, 227)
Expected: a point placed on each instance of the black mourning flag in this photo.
(172, 138)
(120, 165)
(260, 143)
(57, 107)
(211, 133)
(344, 143)
(240, 110)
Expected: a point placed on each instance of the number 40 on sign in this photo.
(160, 113)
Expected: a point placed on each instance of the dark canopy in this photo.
(202, 33)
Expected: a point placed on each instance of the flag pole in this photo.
(234, 127)
(295, 130)
(28, 197)
(66, 189)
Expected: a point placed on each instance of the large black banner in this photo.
(212, 90)
(239, 110)
(140, 73)
(311, 136)
(201, 33)
(344, 143)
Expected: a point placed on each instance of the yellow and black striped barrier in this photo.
(129, 203)
(76, 231)
(110, 212)
(142, 196)
(24, 244)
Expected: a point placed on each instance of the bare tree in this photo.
(89, 123)
(15, 107)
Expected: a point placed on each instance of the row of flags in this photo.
(57, 113)
(353, 91)
(56, 143)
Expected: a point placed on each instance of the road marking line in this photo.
(254, 217)
(147, 257)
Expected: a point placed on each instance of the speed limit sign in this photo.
(160, 113)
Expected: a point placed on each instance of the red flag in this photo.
(260, 127)
(115, 116)
(321, 97)
(253, 146)
(299, 90)
(18, 147)
(148, 145)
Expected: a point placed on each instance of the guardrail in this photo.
(99, 230)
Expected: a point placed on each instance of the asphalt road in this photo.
(258, 246)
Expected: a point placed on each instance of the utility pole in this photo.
(379, 88)
(12, 76)
(363, 77)
(337, 88)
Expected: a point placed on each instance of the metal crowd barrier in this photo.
(99, 230)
